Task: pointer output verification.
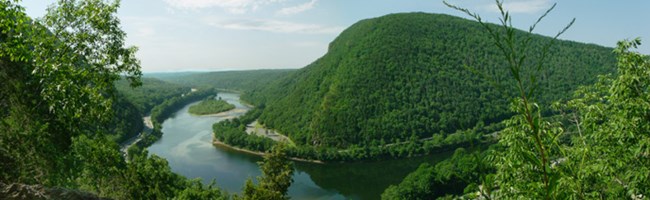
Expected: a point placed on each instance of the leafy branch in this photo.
(515, 50)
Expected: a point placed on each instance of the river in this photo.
(187, 145)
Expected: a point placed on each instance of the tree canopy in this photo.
(595, 148)
(408, 75)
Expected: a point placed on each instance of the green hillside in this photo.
(401, 76)
(151, 93)
(230, 80)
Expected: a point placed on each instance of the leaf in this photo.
(552, 184)
(531, 158)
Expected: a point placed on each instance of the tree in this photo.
(608, 154)
(277, 172)
(58, 75)
(524, 167)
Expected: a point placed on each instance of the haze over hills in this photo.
(393, 92)
(401, 76)
(231, 80)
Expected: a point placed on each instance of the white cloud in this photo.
(144, 27)
(145, 31)
(274, 26)
(233, 6)
(523, 6)
(299, 8)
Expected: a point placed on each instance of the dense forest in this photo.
(61, 114)
(227, 80)
(566, 120)
(152, 92)
(210, 105)
(413, 75)
(595, 148)
(127, 120)
(131, 104)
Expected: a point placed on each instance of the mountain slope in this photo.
(152, 92)
(230, 80)
(402, 76)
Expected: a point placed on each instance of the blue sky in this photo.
(210, 35)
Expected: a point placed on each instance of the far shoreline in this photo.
(216, 142)
(208, 105)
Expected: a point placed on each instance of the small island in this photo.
(210, 106)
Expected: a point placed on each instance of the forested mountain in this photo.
(230, 80)
(151, 93)
(409, 75)
(131, 104)
(127, 120)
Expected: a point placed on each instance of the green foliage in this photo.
(58, 75)
(127, 120)
(196, 190)
(402, 75)
(210, 106)
(149, 177)
(227, 80)
(167, 108)
(171, 105)
(232, 132)
(100, 167)
(445, 178)
(277, 173)
(609, 156)
(151, 93)
(57, 101)
(524, 165)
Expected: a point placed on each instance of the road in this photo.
(148, 126)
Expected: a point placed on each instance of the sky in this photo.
(219, 35)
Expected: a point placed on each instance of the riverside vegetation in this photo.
(210, 105)
(605, 155)
(58, 104)
(59, 107)
(398, 86)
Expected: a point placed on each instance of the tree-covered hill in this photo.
(230, 80)
(409, 75)
(151, 93)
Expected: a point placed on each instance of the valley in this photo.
(248, 100)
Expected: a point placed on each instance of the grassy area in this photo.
(211, 106)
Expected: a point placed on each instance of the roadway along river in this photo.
(187, 145)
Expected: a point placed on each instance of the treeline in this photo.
(127, 120)
(131, 104)
(456, 175)
(57, 101)
(152, 92)
(605, 155)
(241, 81)
(169, 107)
(409, 75)
(210, 105)
(233, 132)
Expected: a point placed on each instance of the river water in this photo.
(187, 145)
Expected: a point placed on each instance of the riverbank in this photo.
(210, 105)
(188, 147)
(258, 129)
(146, 130)
(216, 142)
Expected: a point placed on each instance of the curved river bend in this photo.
(187, 145)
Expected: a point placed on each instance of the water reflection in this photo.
(186, 144)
